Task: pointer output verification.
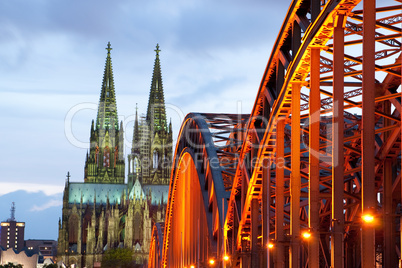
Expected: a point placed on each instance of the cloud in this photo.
(9, 187)
(51, 203)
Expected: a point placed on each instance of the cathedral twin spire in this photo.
(152, 137)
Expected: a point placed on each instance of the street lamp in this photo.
(368, 218)
(306, 235)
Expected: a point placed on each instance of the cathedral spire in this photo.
(156, 113)
(107, 110)
(136, 133)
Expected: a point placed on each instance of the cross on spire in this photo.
(108, 48)
(157, 50)
(68, 176)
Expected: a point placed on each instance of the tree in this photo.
(11, 265)
(118, 258)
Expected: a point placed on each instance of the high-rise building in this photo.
(104, 212)
(12, 232)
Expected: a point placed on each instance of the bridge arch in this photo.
(200, 187)
(156, 246)
(319, 81)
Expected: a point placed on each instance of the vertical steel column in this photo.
(400, 218)
(337, 224)
(314, 159)
(279, 193)
(266, 181)
(254, 232)
(389, 242)
(315, 7)
(295, 180)
(280, 76)
(368, 134)
(389, 256)
(296, 38)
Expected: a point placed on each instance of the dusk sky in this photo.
(52, 58)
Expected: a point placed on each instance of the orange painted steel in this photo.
(327, 120)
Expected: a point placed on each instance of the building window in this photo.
(155, 159)
(106, 157)
(136, 167)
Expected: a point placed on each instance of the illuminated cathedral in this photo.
(104, 211)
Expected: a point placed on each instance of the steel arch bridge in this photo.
(312, 177)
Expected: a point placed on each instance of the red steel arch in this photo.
(156, 247)
(320, 150)
(201, 180)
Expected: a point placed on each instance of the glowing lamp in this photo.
(226, 258)
(306, 235)
(192, 266)
(368, 218)
(211, 261)
(270, 245)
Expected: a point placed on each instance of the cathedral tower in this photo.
(105, 162)
(103, 212)
(151, 153)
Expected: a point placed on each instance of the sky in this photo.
(52, 59)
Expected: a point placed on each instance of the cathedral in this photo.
(105, 211)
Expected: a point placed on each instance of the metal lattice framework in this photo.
(321, 150)
(202, 175)
(156, 247)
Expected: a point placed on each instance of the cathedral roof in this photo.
(107, 109)
(136, 191)
(103, 191)
(158, 193)
(156, 113)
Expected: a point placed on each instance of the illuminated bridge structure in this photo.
(314, 170)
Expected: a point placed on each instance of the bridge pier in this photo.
(279, 258)
(337, 219)
(369, 197)
(314, 160)
(295, 180)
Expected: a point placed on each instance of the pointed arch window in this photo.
(96, 155)
(106, 157)
(73, 229)
(155, 159)
(136, 165)
(116, 155)
(131, 166)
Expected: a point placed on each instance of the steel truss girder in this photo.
(298, 72)
(240, 167)
(212, 141)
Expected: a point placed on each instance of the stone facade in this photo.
(104, 212)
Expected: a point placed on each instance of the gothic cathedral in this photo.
(104, 212)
